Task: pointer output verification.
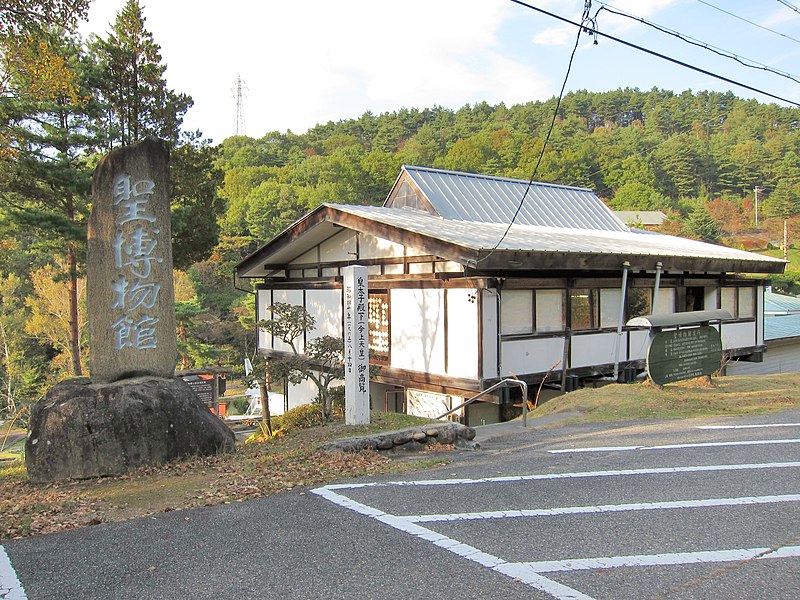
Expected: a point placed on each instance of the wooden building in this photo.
(459, 298)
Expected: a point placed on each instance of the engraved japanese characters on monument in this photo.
(129, 266)
(356, 346)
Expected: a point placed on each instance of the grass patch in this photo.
(257, 469)
(727, 396)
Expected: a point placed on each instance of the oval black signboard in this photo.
(684, 354)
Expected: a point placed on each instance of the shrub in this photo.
(337, 400)
(238, 406)
(302, 417)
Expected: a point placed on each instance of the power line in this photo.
(735, 16)
(742, 60)
(593, 30)
(585, 19)
(792, 6)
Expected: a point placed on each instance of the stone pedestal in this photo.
(82, 430)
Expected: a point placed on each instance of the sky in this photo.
(307, 62)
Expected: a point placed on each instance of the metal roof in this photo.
(781, 327)
(781, 304)
(485, 199)
(530, 238)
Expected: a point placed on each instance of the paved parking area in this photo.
(716, 508)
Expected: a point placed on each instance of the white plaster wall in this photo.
(521, 357)
(302, 393)
(462, 333)
(738, 335)
(489, 333)
(309, 257)
(341, 246)
(640, 341)
(326, 307)
(289, 297)
(595, 349)
(418, 336)
(760, 313)
(263, 300)
(370, 246)
(711, 300)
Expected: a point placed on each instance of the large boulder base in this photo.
(82, 430)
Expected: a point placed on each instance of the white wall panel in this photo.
(595, 349)
(639, 341)
(521, 357)
(326, 307)
(342, 246)
(489, 333)
(370, 246)
(462, 333)
(263, 300)
(289, 297)
(418, 336)
(309, 257)
(738, 335)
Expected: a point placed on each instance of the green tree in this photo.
(138, 102)
(321, 361)
(195, 204)
(48, 178)
(700, 225)
(21, 16)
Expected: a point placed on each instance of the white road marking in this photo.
(677, 446)
(574, 475)
(604, 508)
(520, 572)
(10, 586)
(657, 560)
(748, 426)
(530, 573)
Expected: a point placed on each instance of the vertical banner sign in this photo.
(356, 346)
(129, 266)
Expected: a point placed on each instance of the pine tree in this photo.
(138, 102)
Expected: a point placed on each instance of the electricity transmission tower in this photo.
(239, 93)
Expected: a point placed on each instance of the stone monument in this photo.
(129, 291)
(134, 411)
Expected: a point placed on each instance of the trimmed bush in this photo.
(302, 417)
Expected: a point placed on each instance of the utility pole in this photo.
(239, 93)
(755, 200)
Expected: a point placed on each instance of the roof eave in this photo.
(510, 260)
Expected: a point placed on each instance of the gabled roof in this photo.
(464, 218)
(470, 197)
(525, 247)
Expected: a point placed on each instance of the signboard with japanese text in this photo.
(129, 266)
(356, 345)
(681, 354)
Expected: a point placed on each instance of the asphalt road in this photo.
(647, 510)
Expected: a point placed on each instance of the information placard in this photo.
(682, 354)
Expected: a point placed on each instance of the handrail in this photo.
(499, 384)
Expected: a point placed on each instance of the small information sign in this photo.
(681, 354)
